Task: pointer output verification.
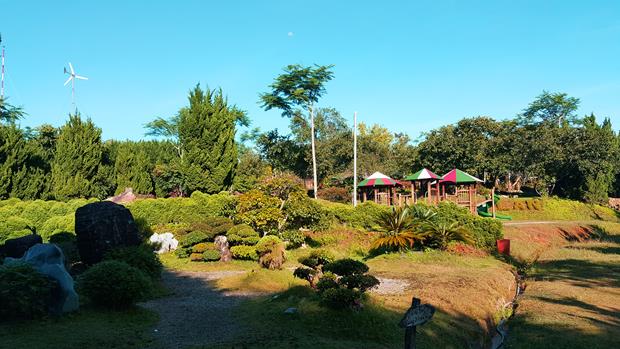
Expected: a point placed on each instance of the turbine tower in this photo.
(72, 77)
(2, 86)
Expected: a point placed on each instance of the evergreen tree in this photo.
(77, 161)
(133, 169)
(207, 135)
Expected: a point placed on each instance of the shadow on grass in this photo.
(579, 272)
(314, 326)
(528, 333)
(614, 316)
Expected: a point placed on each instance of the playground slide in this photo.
(483, 212)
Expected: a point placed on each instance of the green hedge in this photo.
(46, 217)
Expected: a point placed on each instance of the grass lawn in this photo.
(564, 210)
(467, 291)
(85, 329)
(572, 299)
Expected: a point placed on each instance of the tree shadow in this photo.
(580, 272)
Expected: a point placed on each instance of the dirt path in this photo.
(196, 313)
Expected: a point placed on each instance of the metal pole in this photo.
(313, 151)
(2, 88)
(355, 159)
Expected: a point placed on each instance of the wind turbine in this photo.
(72, 77)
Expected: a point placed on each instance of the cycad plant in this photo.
(440, 234)
(398, 229)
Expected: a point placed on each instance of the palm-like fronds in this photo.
(398, 229)
(441, 234)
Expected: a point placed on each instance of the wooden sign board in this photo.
(418, 314)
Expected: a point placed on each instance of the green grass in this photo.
(314, 326)
(555, 209)
(85, 329)
(571, 299)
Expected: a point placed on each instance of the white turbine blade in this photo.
(81, 77)
(69, 79)
(72, 71)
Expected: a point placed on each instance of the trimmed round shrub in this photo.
(242, 234)
(270, 251)
(181, 252)
(317, 258)
(339, 298)
(211, 255)
(293, 238)
(141, 257)
(24, 292)
(326, 283)
(193, 238)
(114, 284)
(345, 267)
(359, 281)
(244, 252)
(196, 257)
(203, 246)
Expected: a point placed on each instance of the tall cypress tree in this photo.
(207, 135)
(133, 169)
(77, 159)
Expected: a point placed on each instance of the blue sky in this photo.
(408, 65)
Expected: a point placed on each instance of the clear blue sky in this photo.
(408, 65)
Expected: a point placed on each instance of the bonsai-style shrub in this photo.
(340, 284)
(114, 284)
(270, 250)
(193, 238)
(293, 238)
(244, 252)
(141, 257)
(242, 234)
(24, 292)
(211, 255)
(312, 269)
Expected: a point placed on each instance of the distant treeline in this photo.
(547, 149)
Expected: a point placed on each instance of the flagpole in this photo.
(355, 159)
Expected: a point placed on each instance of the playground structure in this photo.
(425, 186)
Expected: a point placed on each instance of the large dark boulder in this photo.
(102, 226)
(15, 248)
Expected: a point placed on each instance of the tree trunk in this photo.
(313, 151)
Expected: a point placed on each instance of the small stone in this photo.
(290, 310)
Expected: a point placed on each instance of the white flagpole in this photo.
(355, 159)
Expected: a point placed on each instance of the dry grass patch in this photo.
(469, 291)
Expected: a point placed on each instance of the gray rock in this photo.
(15, 248)
(222, 245)
(166, 242)
(49, 260)
(102, 226)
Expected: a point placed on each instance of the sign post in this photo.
(417, 315)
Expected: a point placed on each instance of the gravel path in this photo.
(390, 286)
(196, 313)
